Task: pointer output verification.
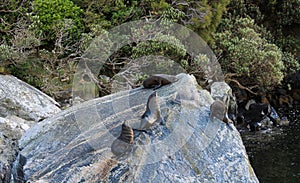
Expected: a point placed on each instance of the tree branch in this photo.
(243, 87)
(13, 11)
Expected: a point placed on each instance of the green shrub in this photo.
(6, 54)
(248, 55)
(290, 63)
(160, 45)
(281, 18)
(205, 16)
(108, 13)
(49, 17)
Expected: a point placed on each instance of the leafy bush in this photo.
(216, 14)
(290, 63)
(202, 16)
(49, 17)
(108, 13)
(281, 18)
(248, 55)
(160, 45)
(6, 53)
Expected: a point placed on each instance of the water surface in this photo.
(275, 154)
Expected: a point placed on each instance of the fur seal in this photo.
(158, 80)
(124, 142)
(152, 113)
(219, 110)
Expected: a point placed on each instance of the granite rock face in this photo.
(75, 145)
(21, 99)
(21, 106)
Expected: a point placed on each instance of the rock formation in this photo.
(20, 99)
(21, 106)
(75, 145)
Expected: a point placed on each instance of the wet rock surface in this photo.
(75, 145)
(21, 99)
(257, 114)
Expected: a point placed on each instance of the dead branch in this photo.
(243, 87)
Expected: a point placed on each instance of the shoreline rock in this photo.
(23, 100)
(21, 106)
(74, 145)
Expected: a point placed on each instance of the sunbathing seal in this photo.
(158, 80)
(123, 144)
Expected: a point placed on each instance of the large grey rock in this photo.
(20, 99)
(74, 145)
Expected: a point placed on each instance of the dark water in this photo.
(275, 154)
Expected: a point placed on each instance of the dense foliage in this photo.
(255, 43)
(282, 18)
(42, 39)
(249, 55)
(51, 17)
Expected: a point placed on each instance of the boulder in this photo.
(21, 99)
(75, 145)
